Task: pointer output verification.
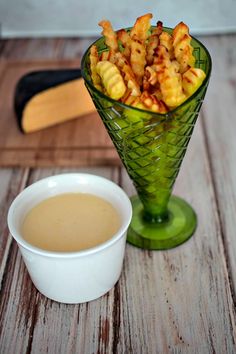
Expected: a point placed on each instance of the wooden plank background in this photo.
(177, 301)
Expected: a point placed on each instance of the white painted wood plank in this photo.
(155, 307)
(12, 181)
(220, 128)
(30, 323)
(180, 300)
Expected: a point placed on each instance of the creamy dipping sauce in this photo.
(70, 222)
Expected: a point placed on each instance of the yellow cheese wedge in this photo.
(56, 105)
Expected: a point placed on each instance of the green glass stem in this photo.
(155, 212)
(152, 147)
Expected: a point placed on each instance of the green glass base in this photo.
(178, 228)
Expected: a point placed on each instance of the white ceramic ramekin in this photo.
(72, 277)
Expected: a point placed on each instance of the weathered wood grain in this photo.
(219, 129)
(50, 48)
(17, 305)
(59, 157)
(180, 301)
(75, 48)
(31, 48)
(12, 182)
(30, 323)
(177, 301)
(142, 313)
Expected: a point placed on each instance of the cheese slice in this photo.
(56, 105)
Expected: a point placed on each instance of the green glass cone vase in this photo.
(152, 147)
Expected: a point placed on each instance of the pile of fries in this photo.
(146, 67)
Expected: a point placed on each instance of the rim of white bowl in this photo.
(56, 254)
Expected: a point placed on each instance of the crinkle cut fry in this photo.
(108, 55)
(146, 101)
(146, 84)
(182, 47)
(138, 59)
(111, 79)
(151, 102)
(139, 35)
(94, 59)
(161, 58)
(110, 37)
(169, 80)
(166, 41)
(105, 55)
(158, 29)
(179, 31)
(192, 79)
(151, 75)
(153, 42)
(127, 74)
(183, 54)
(141, 28)
(125, 39)
(129, 99)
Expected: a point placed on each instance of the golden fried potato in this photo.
(146, 84)
(141, 28)
(178, 32)
(158, 94)
(110, 37)
(182, 47)
(175, 66)
(125, 39)
(94, 59)
(152, 103)
(129, 99)
(169, 79)
(105, 56)
(151, 75)
(153, 42)
(166, 41)
(111, 79)
(138, 59)
(158, 29)
(128, 74)
(161, 58)
(108, 55)
(172, 91)
(192, 80)
(151, 46)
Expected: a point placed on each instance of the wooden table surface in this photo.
(177, 301)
